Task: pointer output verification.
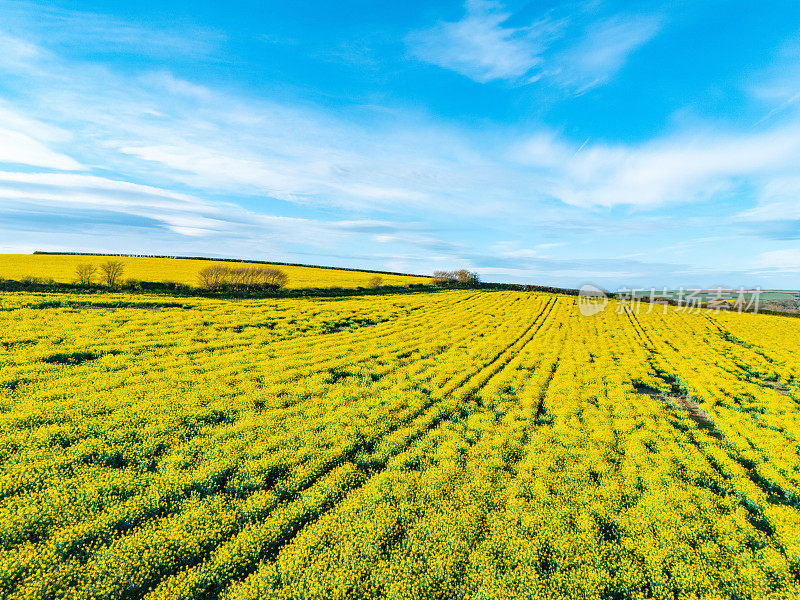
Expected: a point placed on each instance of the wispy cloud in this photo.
(776, 214)
(778, 261)
(57, 195)
(99, 33)
(158, 128)
(566, 46)
(679, 168)
(602, 51)
(481, 45)
(16, 51)
(18, 148)
(779, 200)
(180, 212)
(777, 87)
(28, 141)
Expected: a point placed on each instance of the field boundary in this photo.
(182, 290)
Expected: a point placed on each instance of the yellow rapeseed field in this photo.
(61, 268)
(451, 444)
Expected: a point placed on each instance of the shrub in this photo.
(212, 278)
(374, 281)
(84, 274)
(241, 278)
(112, 272)
(459, 278)
(34, 280)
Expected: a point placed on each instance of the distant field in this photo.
(61, 268)
(706, 295)
(786, 301)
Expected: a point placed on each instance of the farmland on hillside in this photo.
(451, 444)
(61, 268)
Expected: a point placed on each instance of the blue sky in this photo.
(619, 143)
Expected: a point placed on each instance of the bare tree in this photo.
(241, 278)
(275, 278)
(466, 277)
(34, 280)
(213, 278)
(374, 281)
(459, 278)
(112, 272)
(85, 273)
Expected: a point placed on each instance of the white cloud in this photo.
(674, 169)
(183, 214)
(18, 148)
(577, 272)
(777, 86)
(779, 200)
(511, 249)
(101, 33)
(179, 212)
(177, 132)
(480, 45)
(16, 51)
(603, 51)
(781, 261)
(578, 50)
(23, 141)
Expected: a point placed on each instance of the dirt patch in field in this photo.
(775, 385)
(74, 305)
(112, 308)
(349, 325)
(698, 415)
(690, 407)
(78, 357)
